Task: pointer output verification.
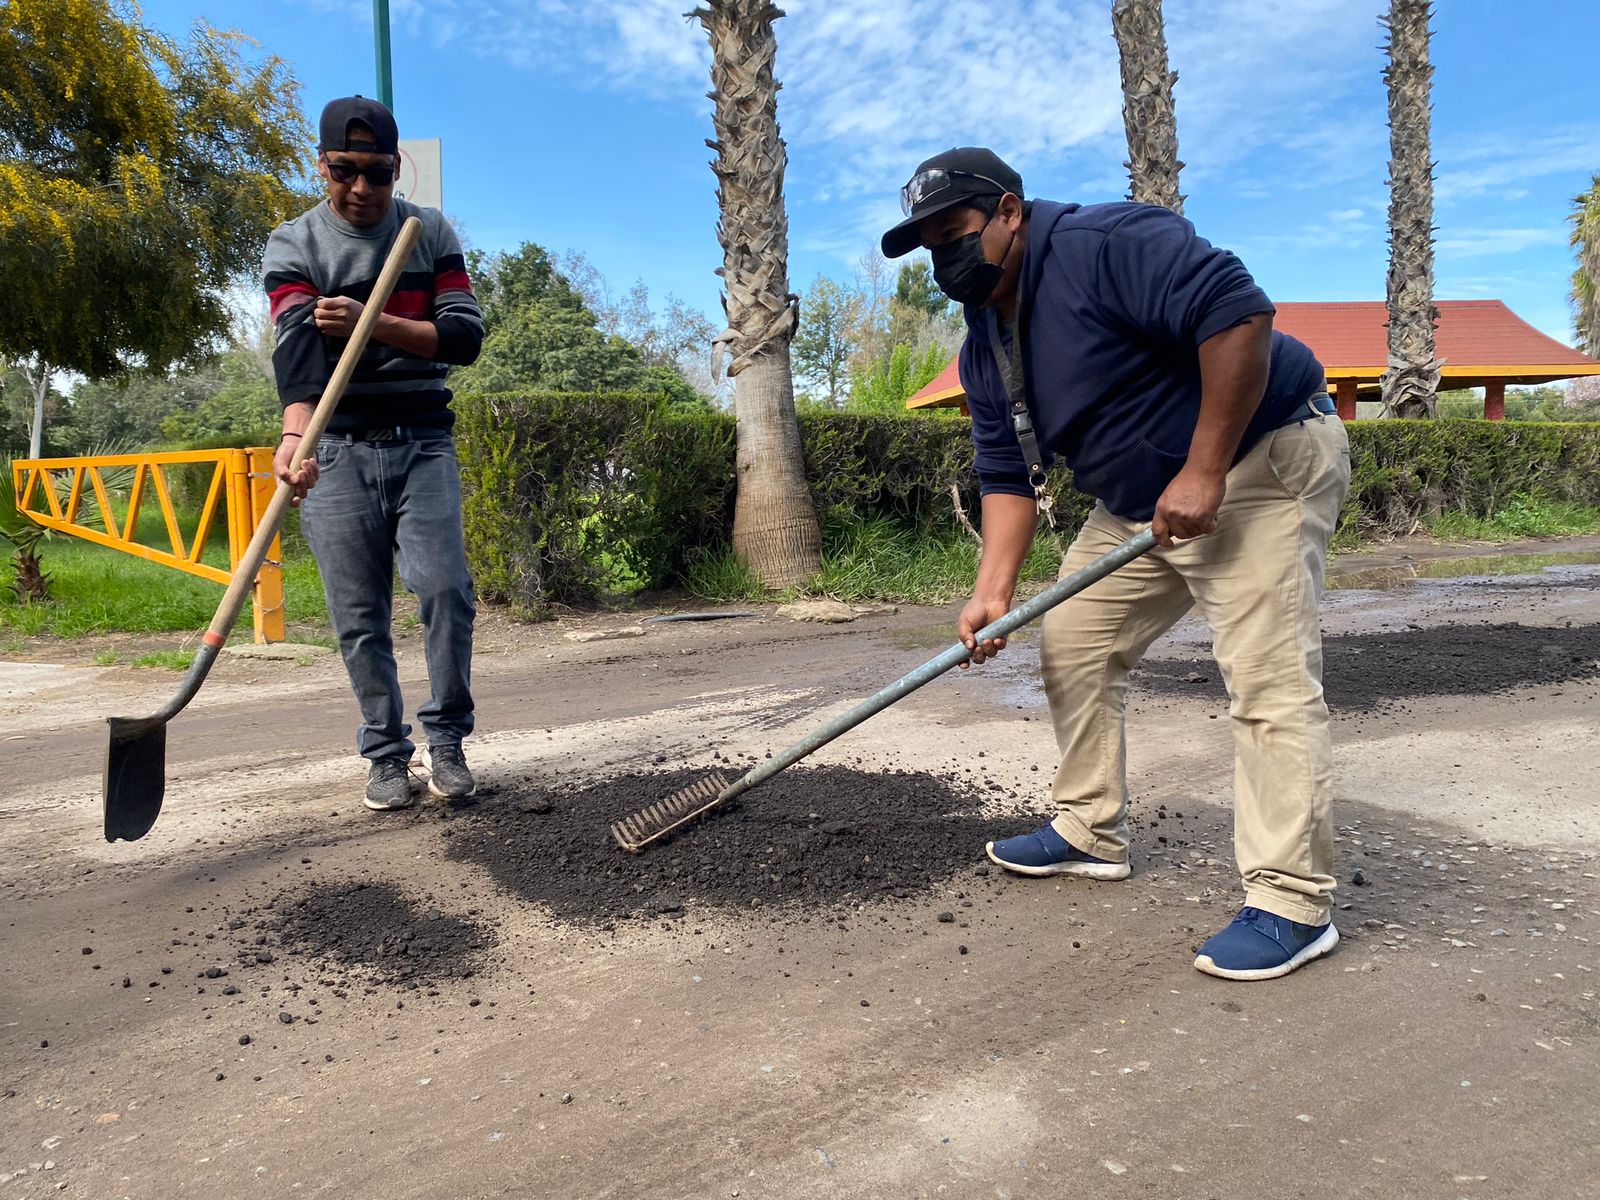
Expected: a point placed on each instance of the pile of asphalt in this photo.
(375, 931)
(805, 842)
(1382, 671)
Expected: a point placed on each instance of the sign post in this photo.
(380, 30)
(420, 180)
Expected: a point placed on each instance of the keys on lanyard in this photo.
(1011, 373)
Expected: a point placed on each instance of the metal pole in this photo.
(380, 24)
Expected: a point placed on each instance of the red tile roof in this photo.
(1482, 336)
(1477, 339)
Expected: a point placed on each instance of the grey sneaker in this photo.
(389, 785)
(448, 777)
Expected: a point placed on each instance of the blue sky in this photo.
(580, 124)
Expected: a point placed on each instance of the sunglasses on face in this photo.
(928, 184)
(345, 172)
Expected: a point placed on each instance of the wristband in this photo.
(286, 433)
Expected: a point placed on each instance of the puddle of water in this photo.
(1484, 565)
(942, 637)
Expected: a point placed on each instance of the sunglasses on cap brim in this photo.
(926, 185)
(381, 175)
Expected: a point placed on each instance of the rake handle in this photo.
(1028, 610)
(244, 575)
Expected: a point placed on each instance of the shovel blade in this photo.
(135, 778)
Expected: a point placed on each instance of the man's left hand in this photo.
(336, 316)
(1188, 508)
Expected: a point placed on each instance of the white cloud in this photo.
(1498, 165)
(1474, 243)
(1275, 101)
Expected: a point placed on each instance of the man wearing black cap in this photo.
(1113, 336)
(386, 483)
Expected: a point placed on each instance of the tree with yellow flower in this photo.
(139, 177)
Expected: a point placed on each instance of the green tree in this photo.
(129, 410)
(510, 281)
(825, 340)
(917, 301)
(239, 405)
(139, 177)
(543, 337)
(885, 386)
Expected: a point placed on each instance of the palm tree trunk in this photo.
(1147, 108)
(1411, 384)
(775, 530)
(1586, 279)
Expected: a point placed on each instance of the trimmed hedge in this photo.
(569, 498)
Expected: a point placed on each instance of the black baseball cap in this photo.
(340, 114)
(944, 181)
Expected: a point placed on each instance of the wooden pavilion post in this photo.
(1494, 400)
(1345, 399)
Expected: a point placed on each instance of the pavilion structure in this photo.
(1481, 343)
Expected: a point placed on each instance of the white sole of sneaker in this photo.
(426, 760)
(380, 806)
(1082, 869)
(1326, 942)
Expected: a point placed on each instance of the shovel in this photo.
(636, 832)
(136, 762)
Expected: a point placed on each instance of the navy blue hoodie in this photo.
(1114, 302)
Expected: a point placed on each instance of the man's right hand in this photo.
(979, 613)
(301, 481)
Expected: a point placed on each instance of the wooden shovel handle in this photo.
(244, 575)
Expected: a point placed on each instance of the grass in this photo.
(876, 559)
(172, 660)
(1519, 517)
(97, 590)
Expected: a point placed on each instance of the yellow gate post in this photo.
(242, 485)
(258, 484)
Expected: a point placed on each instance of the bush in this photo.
(1408, 472)
(570, 498)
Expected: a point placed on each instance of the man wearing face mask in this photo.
(1114, 337)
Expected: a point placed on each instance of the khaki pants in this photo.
(1257, 581)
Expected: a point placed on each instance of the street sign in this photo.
(420, 180)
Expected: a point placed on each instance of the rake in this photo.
(135, 780)
(651, 824)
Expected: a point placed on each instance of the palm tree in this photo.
(775, 530)
(1586, 279)
(1147, 110)
(1411, 384)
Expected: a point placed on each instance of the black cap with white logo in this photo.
(340, 115)
(944, 181)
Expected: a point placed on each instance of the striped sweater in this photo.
(320, 254)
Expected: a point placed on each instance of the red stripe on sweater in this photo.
(452, 281)
(289, 295)
(410, 304)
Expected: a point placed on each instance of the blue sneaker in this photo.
(1259, 945)
(1046, 852)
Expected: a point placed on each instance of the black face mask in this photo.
(962, 271)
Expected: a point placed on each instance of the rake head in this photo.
(634, 833)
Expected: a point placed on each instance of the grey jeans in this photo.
(380, 497)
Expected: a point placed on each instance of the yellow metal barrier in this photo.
(241, 486)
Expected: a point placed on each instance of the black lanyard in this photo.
(1012, 374)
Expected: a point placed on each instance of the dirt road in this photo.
(827, 993)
